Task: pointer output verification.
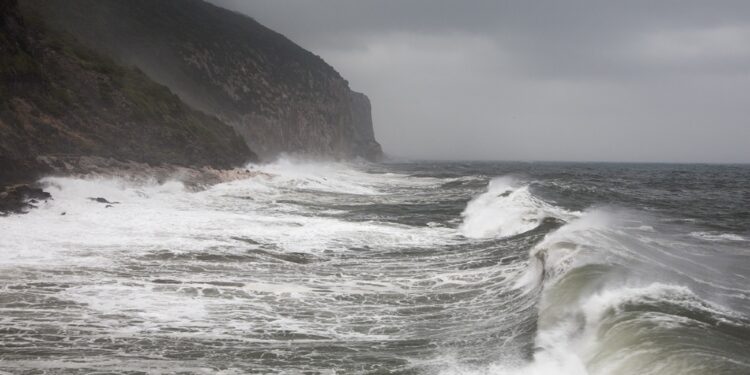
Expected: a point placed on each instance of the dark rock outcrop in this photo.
(20, 198)
(60, 98)
(102, 200)
(193, 178)
(280, 97)
(364, 136)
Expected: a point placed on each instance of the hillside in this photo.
(280, 97)
(59, 98)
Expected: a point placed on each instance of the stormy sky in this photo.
(636, 80)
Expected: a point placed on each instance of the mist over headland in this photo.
(502, 80)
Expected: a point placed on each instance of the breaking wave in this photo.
(352, 268)
(599, 312)
(507, 209)
(711, 236)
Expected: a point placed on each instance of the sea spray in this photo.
(508, 208)
(351, 268)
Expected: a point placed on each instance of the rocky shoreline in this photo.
(19, 198)
(194, 178)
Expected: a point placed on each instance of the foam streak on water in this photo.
(406, 268)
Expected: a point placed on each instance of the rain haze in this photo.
(574, 80)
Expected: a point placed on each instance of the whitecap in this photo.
(506, 209)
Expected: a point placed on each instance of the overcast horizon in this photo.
(574, 81)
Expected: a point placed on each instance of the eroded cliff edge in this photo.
(279, 96)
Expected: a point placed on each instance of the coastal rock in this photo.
(194, 178)
(20, 198)
(280, 97)
(103, 200)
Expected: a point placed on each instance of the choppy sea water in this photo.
(416, 268)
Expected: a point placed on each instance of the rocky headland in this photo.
(155, 90)
(280, 97)
(60, 98)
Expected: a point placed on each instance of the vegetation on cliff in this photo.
(279, 96)
(58, 97)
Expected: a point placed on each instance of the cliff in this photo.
(61, 99)
(279, 97)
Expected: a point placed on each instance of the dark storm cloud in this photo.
(572, 80)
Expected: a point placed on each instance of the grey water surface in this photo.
(413, 267)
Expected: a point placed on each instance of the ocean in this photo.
(400, 267)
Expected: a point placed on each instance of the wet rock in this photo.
(102, 200)
(31, 192)
(18, 199)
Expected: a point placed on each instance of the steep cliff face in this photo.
(59, 98)
(280, 97)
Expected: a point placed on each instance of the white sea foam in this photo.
(571, 325)
(560, 362)
(159, 216)
(570, 344)
(274, 259)
(226, 220)
(713, 236)
(508, 208)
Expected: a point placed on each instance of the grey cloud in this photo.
(561, 80)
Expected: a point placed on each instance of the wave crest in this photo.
(506, 209)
